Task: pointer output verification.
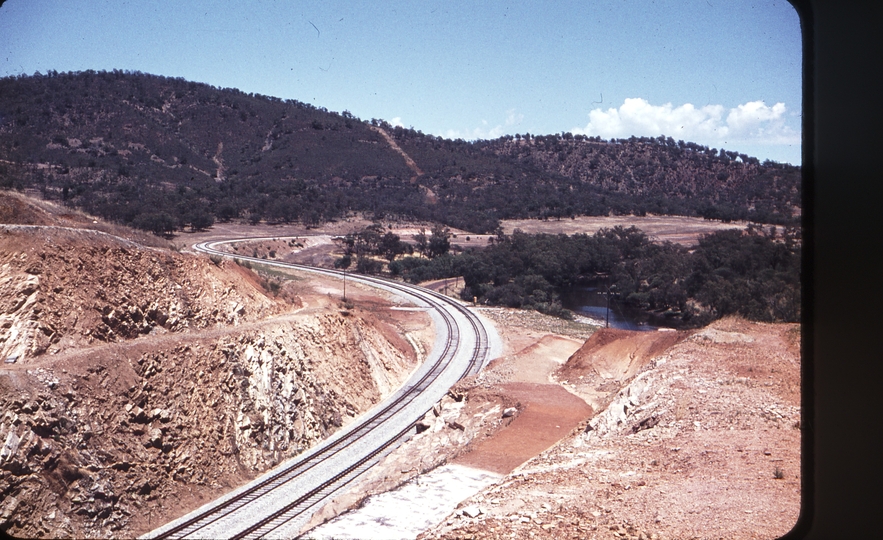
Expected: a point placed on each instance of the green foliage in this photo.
(343, 262)
(422, 242)
(367, 265)
(125, 144)
(159, 223)
(372, 242)
(391, 246)
(439, 242)
(201, 221)
(558, 176)
(753, 273)
(272, 286)
(418, 269)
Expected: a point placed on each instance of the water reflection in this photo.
(590, 300)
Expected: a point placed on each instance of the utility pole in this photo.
(607, 325)
(343, 263)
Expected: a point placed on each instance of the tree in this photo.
(201, 221)
(391, 246)
(367, 265)
(439, 242)
(344, 262)
(159, 223)
(226, 212)
(422, 242)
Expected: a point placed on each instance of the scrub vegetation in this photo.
(754, 273)
(164, 155)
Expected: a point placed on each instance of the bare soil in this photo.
(469, 427)
(547, 412)
(142, 383)
(319, 249)
(693, 434)
(114, 419)
(698, 437)
(19, 208)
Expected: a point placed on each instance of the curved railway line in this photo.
(281, 501)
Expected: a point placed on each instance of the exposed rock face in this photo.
(61, 289)
(17, 302)
(138, 428)
(103, 435)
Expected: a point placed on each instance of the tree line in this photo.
(753, 272)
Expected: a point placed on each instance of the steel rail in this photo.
(365, 426)
(308, 463)
(304, 503)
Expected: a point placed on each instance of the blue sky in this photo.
(720, 73)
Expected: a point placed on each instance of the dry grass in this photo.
(678, 229)
(29, 209)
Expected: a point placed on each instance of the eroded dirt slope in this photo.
(148, 382)
(609, 360)
(22, 209)
(702, 441)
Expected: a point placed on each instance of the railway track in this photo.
(280, 502)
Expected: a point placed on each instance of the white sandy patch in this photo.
(410, 509)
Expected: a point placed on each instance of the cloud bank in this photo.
(751, 123)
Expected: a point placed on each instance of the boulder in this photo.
(456, 425)
(154, 438)
(456, 396)
(137, 414)
(163, 415)
(646, 423)
(10, 447)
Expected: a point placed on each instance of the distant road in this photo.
(280, 502)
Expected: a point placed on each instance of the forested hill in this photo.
(162, 154)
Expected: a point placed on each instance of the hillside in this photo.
(696, 435)
(139, 383)
(163, 154)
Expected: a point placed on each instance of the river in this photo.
(590, 300)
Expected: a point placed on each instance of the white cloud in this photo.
(513, 118)
(484, 131)
(751, 123)
(396, 122)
